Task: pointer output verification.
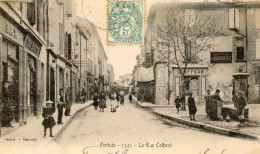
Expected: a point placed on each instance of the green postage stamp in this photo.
(125, 22)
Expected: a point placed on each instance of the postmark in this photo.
(125, 22)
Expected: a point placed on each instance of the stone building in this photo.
(230, 63)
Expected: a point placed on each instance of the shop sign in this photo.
(32, 45)
(193, 71)
(221, 57)
(10, 30)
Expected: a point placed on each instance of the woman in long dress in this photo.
(102, 103)
(95, 101)
(113, 102)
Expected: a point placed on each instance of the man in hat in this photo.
(6, 113)
(241, 103)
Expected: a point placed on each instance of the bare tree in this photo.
(185, 35)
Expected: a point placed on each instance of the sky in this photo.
(122, 58)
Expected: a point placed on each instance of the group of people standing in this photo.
(191, 105)
(114, 100)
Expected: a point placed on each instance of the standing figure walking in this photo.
(130, 97)
(192, 107)
(177, 102)
(102, 103)
(6, 113)
(83, 96)
(95, 101)
(68, 102)
(48, 121)
(241, 103)
(60, 106)
(113, 102)
(207, 99)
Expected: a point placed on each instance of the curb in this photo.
(207, 127)
(67, 123)
(211, 128)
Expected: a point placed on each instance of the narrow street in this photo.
(135, 130)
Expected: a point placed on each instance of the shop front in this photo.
(50, 76)
(11, 66)
(195, 81)
(35, 75)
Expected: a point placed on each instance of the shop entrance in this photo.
(32, 86)
(10, 64)
(191, 84)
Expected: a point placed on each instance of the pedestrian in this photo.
(207, 99)
(177, 102)
(216, 96)
(6, 112)
(130, 97)
(48, 121)
(122, 99)
(68, 102)
(60, 106)
(102, 103)
(192, 107)
(117, 96)
(241, 103)
(83, 96)
(95, 101)
(113, 102)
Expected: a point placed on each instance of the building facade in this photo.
(45, 48)
(229, 63)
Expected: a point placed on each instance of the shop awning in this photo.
(145, 74)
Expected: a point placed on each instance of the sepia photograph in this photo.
(130, 76)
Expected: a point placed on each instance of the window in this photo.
(240, 50)
(31, 12)
(69, 46)
(240, 54)
(234, 18)
(257, 19)
(61, 37)
(257, 50)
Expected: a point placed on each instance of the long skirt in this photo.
(102, 104)
(192, 110)
(95, 103)
(6, 116)
(48, 122)
(113, 103)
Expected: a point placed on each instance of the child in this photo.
(177, 102)
(113, 102)
(48, 121)
(192, 107)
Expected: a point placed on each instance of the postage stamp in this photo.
(125, 22)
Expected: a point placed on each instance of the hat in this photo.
(49, 102)
(240, 92)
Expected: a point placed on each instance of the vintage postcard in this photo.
(129, 76)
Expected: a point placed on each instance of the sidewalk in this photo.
(250, 129)
(32, 133)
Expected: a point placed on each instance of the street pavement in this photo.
(136, 130)
(31, 135)
(254, 116)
